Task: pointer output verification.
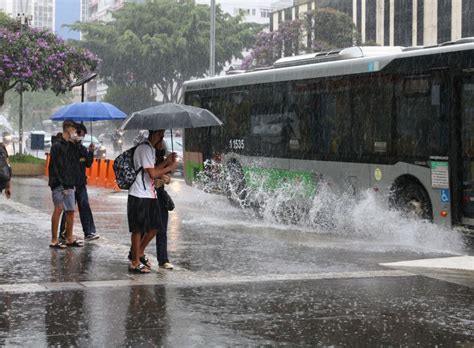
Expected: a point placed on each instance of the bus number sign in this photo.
(236, 144)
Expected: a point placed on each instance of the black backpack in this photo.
(124, 169)
(5, 169)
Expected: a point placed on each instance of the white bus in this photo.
(398, 120)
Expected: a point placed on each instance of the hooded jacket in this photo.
(64, 164)
(86, 158)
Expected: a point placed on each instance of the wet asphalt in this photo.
(239, 280)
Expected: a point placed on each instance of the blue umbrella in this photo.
(89, 111)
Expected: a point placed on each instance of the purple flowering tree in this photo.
(39, 60)
(269, 46)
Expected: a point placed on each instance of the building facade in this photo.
(42, 12)
(395, 22)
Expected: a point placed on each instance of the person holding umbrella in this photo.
(86, 158)
(63, 166)
(144, 218)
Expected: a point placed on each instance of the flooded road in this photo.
(239, 279)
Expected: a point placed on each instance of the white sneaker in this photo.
(167, 265)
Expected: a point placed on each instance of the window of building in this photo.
(403, 25)
(265, 13)
(444, 20)
(467, 18)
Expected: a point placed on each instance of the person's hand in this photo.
(92, 147)
(8, 192)
(158, 182)
(166, 179)
(172, 157)
(172, 166)
(65, 192)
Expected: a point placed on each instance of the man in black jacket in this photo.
(63, 169)
(86, 157)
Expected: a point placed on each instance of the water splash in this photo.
(328, 210)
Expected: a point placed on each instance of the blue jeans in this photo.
(85, 213)
(162, 237)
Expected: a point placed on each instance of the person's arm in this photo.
(159, 170)
(57, 163)
(147, 155)
(89, 155)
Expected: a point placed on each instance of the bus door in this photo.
(467, 147)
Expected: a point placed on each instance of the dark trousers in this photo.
(85, 213)
(162, 237)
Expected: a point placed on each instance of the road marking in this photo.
(458, 263)
(187, 279)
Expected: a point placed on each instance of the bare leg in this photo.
(69, 226)
(146, 239)
(136, 239)
(54, 224)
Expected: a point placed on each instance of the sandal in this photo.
(58, 245)
(75, 244)
(144, 260)
(139, 269)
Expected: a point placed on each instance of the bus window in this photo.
(269, 125)
(421, 124)
(372, 99)
(335, 125)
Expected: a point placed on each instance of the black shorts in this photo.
(143, 214)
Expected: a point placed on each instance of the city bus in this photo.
(395, 120)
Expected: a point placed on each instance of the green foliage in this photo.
(32, 59)
(130, 98)
(18, 158)
(329, 29)
(161, 44)
(37, 106)
(320, 30)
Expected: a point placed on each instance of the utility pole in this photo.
(23, 21)
(212, 65)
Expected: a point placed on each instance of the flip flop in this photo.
(139, 269)
(58, 245)
(75, 244)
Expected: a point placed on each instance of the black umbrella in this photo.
(171, 116)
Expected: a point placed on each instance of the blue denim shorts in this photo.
(64, 198)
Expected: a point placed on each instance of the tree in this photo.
(38, 106)
(270, 46)
(324, 29)
(159, 45)
(33, 60)
(328, 29)
(130, 98)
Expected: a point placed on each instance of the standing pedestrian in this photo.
(142, 209)
(165, 204)
(86, 158)
(63, 168)
(5, 172)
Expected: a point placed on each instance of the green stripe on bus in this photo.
(272, 179)
(191, 168)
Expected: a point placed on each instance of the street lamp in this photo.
(81, 82)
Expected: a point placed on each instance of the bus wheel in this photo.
(234, 182)
(413, 200)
